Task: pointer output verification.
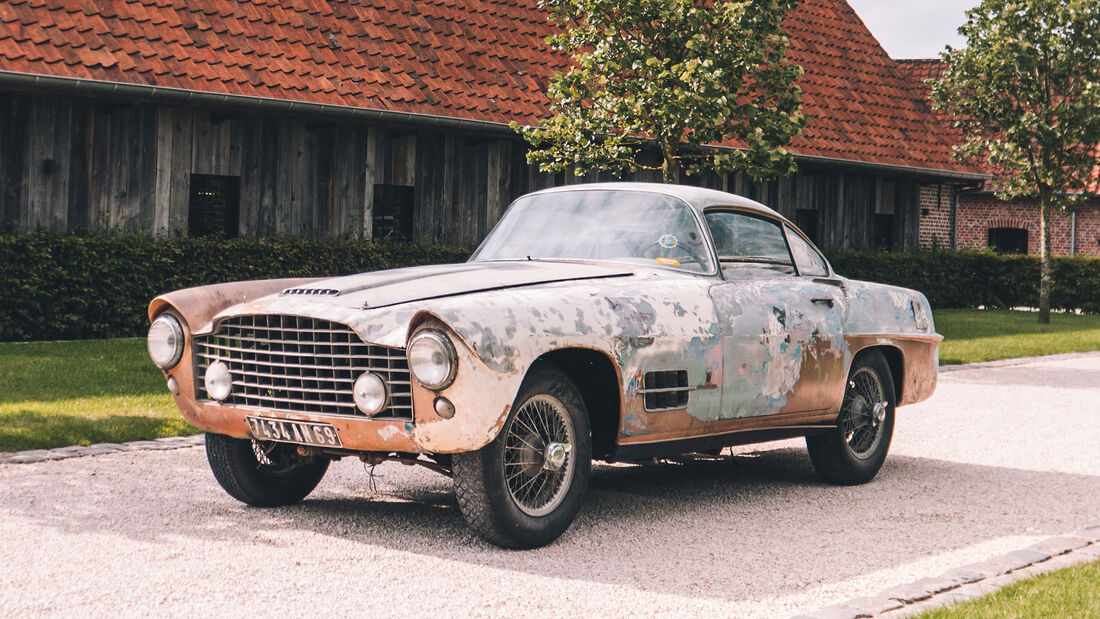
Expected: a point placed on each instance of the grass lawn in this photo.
(989, 335)
(1070, 592)
(54, 394)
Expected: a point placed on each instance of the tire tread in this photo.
(829, 452)
(233, 465)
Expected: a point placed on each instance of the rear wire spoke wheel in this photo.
(853, 452)
(524, 489)
(262, 473)
(865, 410)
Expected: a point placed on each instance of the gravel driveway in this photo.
(998, 459)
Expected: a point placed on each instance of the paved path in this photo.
(999, 459)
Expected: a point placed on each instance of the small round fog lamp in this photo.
(218, 381)
(444, 408)
(173, 385)
(370, 393)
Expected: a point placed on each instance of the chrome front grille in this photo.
(304, 365)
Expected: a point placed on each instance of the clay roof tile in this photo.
(478, 59)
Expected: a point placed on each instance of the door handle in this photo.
(823, 301)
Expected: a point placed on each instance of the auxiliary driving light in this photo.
(218, 381)
(369, 393)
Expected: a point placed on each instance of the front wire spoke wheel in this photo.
(263, 473)
(524, 488)
(536, 456)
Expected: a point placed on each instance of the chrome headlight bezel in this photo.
(435, 355)
(166, 330)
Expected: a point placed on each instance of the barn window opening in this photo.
(884, 231)
(884, 223)
(1008, 240)
(393, 213)
(807, 221)
(214, 206)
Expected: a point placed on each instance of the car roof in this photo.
(698, 198)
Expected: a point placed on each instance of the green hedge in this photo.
(55, 286)
(58, 287)
(954, 279)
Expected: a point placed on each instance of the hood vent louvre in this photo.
(325, 292)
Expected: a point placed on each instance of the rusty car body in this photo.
(618, 321)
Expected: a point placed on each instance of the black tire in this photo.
(261, 473)
(516, 515)
(853, 452)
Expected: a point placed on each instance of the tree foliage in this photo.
(1025, 91)
(679, 73)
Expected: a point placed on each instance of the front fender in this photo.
(482, 397)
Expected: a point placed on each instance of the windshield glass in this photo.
(611, 225)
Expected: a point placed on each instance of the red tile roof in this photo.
(469, 59)
(917, 72)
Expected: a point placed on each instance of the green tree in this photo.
(682, 74)
(1025, 91)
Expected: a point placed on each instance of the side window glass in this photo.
(809, 261)
(743, 238)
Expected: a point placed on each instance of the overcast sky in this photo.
(914, 29)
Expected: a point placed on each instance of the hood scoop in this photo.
(316, 292)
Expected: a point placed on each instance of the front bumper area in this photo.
(482, 398)
(356, 434)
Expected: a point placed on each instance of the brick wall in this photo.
(935, 215)
(978, 213)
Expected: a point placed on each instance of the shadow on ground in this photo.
(706, 518)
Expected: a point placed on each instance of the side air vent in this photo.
(665, 390)
(328, 292)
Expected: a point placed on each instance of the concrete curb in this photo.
(1007, 363)
(971, 581)
(80, 451)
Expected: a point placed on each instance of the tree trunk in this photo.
(670, 168)
(1045, 259)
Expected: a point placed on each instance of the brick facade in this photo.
(978, 213)
(935, 215)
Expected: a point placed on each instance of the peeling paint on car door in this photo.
(780, 346)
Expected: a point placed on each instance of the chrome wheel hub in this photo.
(554, 456)
(879, 414)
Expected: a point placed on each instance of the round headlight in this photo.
(432, 359)
(370, 393)
(165, 342)
(218, 381)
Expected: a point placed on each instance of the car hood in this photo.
(398, 286)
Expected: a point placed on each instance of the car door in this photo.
(781, 332)
(823, 304)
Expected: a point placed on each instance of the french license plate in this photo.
(286, 431)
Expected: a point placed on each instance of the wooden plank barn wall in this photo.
(71, 163)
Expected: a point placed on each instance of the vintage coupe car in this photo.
(617, 321)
